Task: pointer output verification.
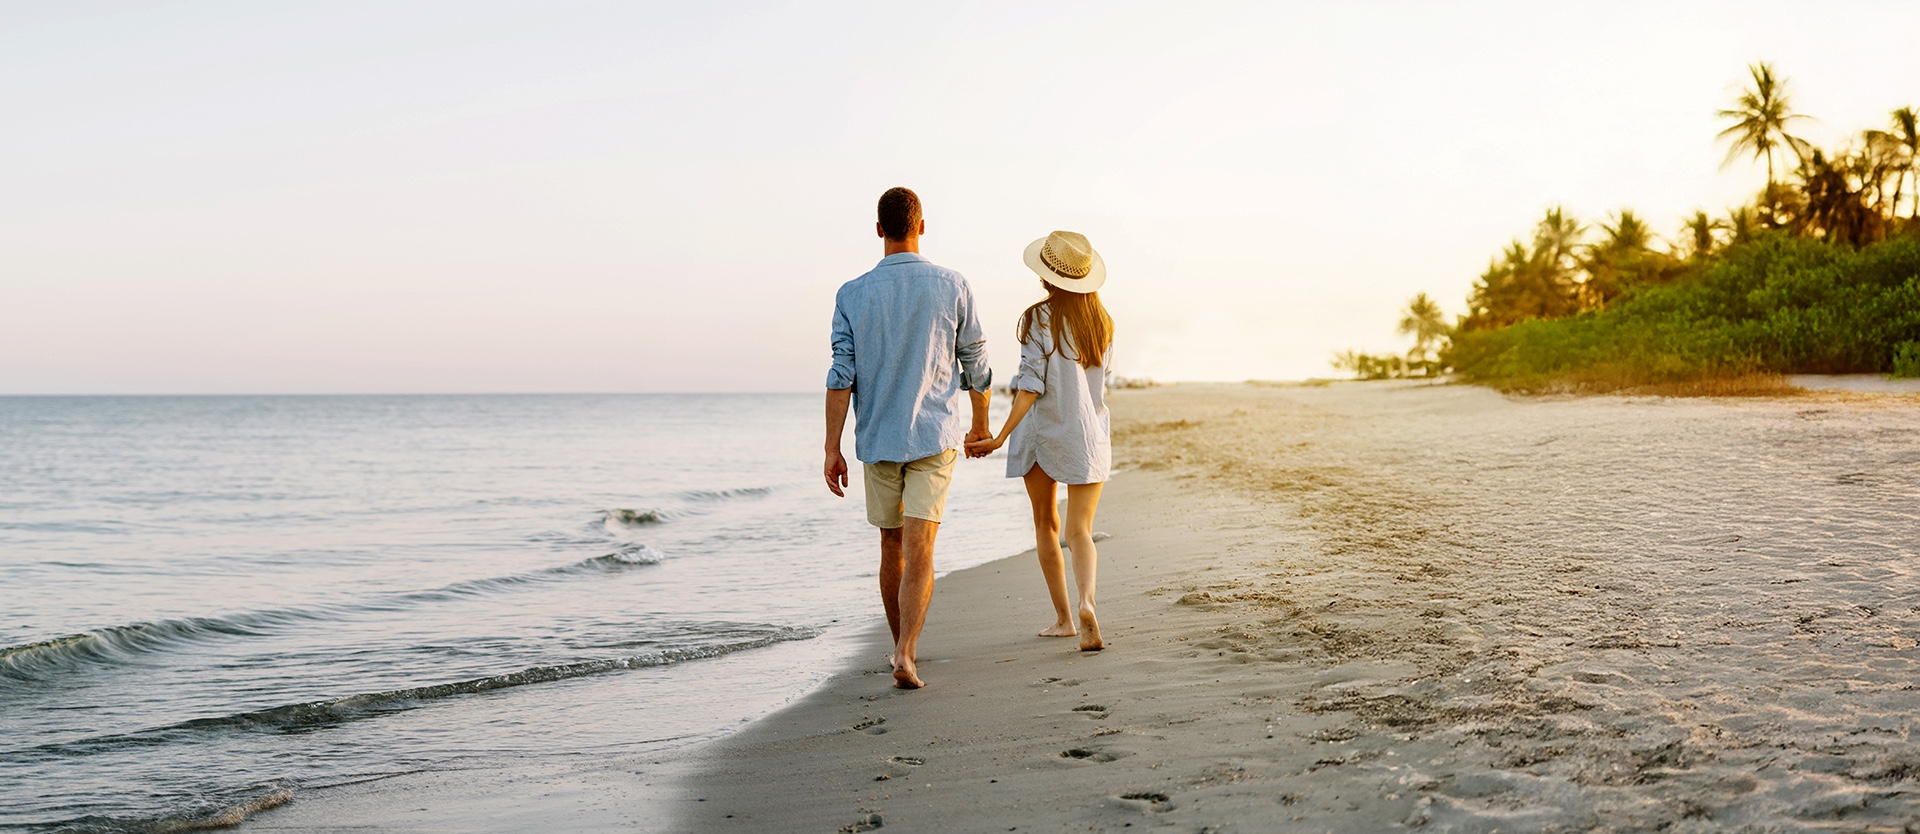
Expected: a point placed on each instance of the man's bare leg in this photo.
(891, 567)
(915, 595)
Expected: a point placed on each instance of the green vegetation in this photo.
(1422, 320)
(1777, 304)
(1820, 273)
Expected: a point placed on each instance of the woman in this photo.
(1059, 429)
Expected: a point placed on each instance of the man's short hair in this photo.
(899, 213)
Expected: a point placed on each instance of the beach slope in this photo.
(1365, 607)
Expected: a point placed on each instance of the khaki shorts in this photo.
(915, 489)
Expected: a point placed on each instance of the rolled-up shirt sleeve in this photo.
(970, 347)
(1033, 364)
(840, 376)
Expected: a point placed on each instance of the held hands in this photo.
(982, 447)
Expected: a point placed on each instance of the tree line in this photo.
(1857, 196)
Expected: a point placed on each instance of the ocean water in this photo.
(211, 604)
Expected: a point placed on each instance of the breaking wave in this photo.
(118, 644)
(314, 715)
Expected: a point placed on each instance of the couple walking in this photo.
(906, 341)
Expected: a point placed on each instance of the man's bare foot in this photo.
(1063, 628)
(904, 676)
(1089, 630)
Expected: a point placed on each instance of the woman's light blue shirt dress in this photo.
(1067, 432)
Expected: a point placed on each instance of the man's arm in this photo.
(970, 348)
(979, 400)
(839, 396)
(836, 466)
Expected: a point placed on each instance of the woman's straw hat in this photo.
(1066, 260)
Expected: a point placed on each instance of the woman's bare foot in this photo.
(1060, 628)
(1089, 630)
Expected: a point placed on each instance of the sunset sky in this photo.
(234, 197)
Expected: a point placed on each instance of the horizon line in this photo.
(50, 395)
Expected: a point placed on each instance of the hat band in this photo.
(1053, 262)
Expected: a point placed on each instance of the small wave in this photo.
(629, 555)
(315, 715)
(726, 494)
(618, 517)
(638, 554)
(211, 816)
(119, 644)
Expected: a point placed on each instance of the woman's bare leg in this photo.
(1046, 542)
(1082, 501)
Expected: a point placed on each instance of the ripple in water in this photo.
(216, 603)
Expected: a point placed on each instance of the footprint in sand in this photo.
(1088, 755)
(1093, 711)
(866, 823)
(872, 726)
(1155, 801)
(907, 760)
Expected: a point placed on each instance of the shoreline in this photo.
(1016, 731)
(1363, 608)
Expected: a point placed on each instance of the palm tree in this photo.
(1742, 224)
(1618, 261)
(1877, 161)
(1557, 238)
(1496, 299)
(1836, 208)
(1627, 233)
(1698, 234)
(1426, 324)
(1906, 139)
(1760, 116)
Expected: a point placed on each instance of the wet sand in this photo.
(1365, 607)
(1357, 608)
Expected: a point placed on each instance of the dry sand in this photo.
(1367, 607)
(1363, 607)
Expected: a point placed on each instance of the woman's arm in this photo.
(1022, 401)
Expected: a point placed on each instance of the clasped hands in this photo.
(981, 443)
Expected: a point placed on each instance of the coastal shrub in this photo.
(1774, 305)
(1906, 359)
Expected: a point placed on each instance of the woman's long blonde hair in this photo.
(1080, 316)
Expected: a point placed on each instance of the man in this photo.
(905, 341)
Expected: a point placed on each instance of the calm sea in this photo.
(208, 604)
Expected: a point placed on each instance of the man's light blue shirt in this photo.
(907, 341)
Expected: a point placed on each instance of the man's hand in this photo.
(982, 447)
(836, 468)
(836, 471)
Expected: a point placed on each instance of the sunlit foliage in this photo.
(1819, 273)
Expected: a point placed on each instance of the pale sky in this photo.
(247, 197)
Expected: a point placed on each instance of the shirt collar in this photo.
(903, 258)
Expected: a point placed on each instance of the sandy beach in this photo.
(1367, 607)
(1363, 607)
